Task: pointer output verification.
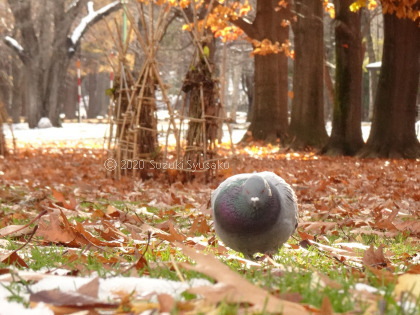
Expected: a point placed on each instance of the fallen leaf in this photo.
(12, 258)
(15, 230)
(375, 258)
(409, 283)
(55, 230)
(60, 301)
(166, 302)
(233, 288)
(326, 307)
(90, 289)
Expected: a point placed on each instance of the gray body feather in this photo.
(254, 212)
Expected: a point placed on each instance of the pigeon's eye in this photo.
(247, 192)
(262, 191)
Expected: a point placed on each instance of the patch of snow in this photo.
(16, 308)
(365, 129)
(374, 65)
(69, 131)
(45, 122)
(365, 287)
(14, 43)
(84, 131)
(143, 286)
(353, 245)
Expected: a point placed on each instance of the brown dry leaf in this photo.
(90, 289)
(138, 308)
(12, 258)
(141, 263)
(408, 283)
(110, 233)
(326, 307)
(166, 302)
(409, 226)
(15, 230)
(318, 227)
(383, 275)
(92, 239)
(329, 282)
(346, 253)
(173, 235)
(306, 236)
(71, 205)
(414, 269)
(55, 231)
(58, 196)
(375, 258)
(233, 288)
(64, 302)
(386, 223)
(199, 226)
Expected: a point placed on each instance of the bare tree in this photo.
(48, 40)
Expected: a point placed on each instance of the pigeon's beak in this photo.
(254, 201)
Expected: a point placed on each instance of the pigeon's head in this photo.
(256, 191)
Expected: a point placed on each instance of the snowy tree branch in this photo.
(91, 18)
(14, 44)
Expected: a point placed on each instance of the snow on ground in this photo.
(89, 131)
(144, 288)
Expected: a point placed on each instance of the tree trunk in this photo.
(307, 125)
(346, 136)
(373, 76)
(269, 110)
(33, 98)
(18, 86)
(47, 48)
(3, 120)
(54, 90)
(269, 119)
(69, 96)
(393, 128)
(248, 88)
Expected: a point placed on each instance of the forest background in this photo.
(77, 235)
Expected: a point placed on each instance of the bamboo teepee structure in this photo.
(196, 127)
(134, 118)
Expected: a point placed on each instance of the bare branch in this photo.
(246, 26)
(91, 18)
(22, 14)
(14, 44)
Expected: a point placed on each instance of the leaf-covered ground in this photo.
(62, 219)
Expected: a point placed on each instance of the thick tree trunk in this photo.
(47, 48)
(269, 110)
(269, 119)
(346, 136)
(307, 125)
(54, 91)
(17, 100)
(33, 90)
(393, 128)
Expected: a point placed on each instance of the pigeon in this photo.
(254, 213)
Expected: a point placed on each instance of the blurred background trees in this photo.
(293, 66)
